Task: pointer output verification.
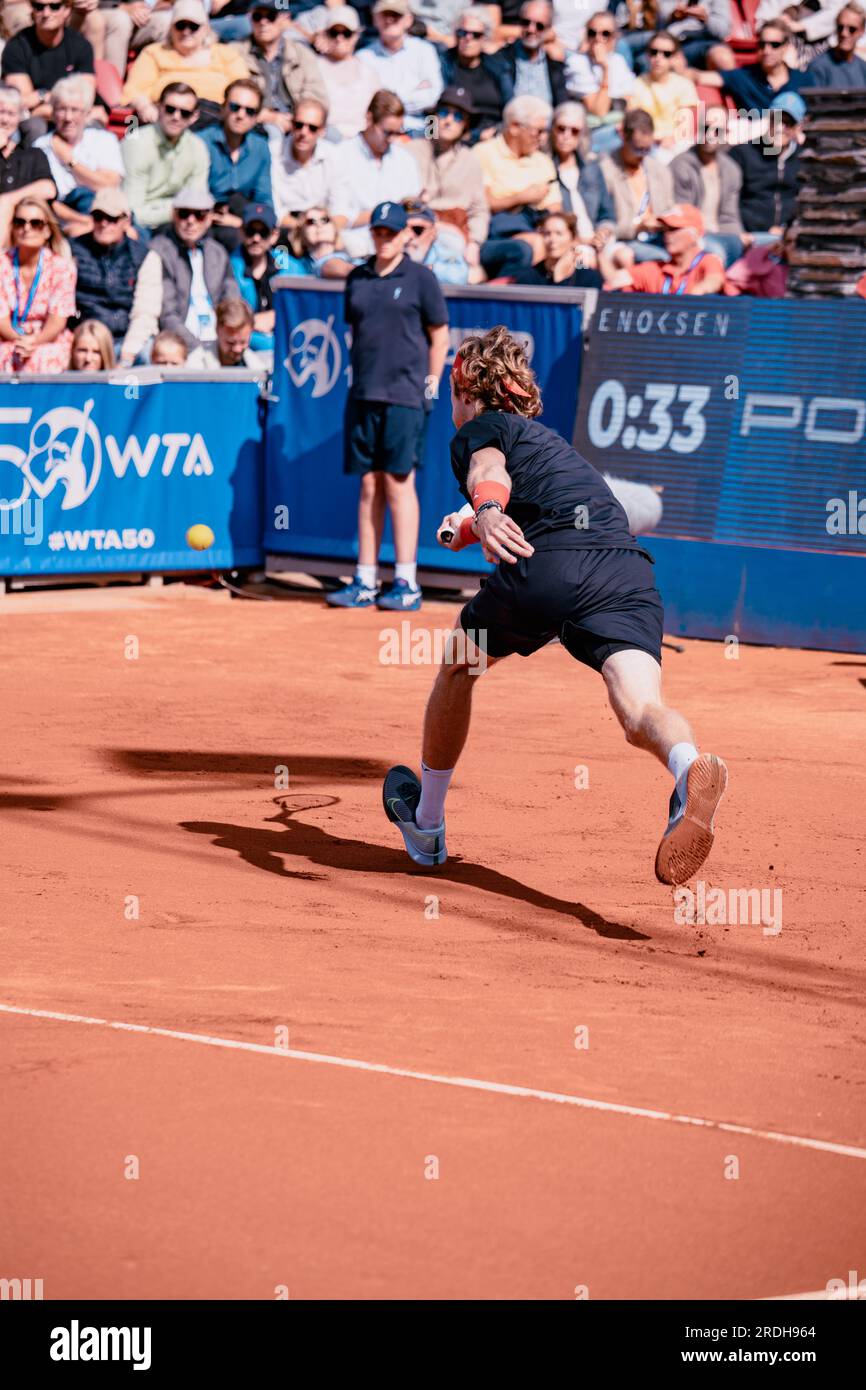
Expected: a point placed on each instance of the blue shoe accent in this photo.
(400, 596)
(690, 830)
(401, 793)
(354, 595)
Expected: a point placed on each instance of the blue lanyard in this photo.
(19, 319)
(681, 288)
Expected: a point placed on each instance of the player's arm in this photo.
(489, 485)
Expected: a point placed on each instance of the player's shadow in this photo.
(295, 839)
(303, 767)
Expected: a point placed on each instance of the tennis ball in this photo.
(200, 537)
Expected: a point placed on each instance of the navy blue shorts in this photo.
(596, 602)
(380, 438)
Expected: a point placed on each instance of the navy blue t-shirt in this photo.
(555, 494)
(388, 315)
(751, 90)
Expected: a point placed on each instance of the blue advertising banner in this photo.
(311, 507)
(105, 475)
(751, 416)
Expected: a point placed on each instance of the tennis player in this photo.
(567, 567)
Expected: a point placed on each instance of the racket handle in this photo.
(445, 536)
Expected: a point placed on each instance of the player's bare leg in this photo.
(417, 806)
(634, 686)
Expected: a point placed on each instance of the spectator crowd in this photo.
(161, 163)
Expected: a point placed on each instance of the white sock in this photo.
(407, 572)
(680, 759)
(434, 789)
(366, 575)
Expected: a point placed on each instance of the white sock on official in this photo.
(367, 575)
(407, 572)
(434, 789)
(680, 759)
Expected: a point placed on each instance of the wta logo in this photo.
(315, 355)
(64, 447)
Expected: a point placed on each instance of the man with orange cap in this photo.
(689, 268)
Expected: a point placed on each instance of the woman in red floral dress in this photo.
(37, 293)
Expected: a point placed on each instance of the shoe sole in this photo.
(429, 861)
(685, 849)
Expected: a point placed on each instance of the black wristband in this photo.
(485, 505)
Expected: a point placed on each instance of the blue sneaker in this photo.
(400, 595)
(354, 595)
(401, 793)
(689, 836)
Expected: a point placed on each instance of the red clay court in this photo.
(447, 1138)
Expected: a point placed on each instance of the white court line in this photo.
(466, 1083)
(820, 1296)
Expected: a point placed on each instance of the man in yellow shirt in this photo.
(669, 97)
(520, 185)
(189, 54)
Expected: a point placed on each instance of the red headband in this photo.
(509, 384)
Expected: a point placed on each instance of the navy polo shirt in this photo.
(388, 316)
(751, 90)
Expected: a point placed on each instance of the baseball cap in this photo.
(192, 10)
(260, 212)
(395, 6)
(345, 16)
(414, 208)
(391, 215)
(459, 98)
(790, 104)
(198, 199)
(683, 215)
(112, 201)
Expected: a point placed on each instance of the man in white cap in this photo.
(184, 276)
(108, 262)
(408, 66)
(349, 83)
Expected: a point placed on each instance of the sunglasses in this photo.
(38, 224)
(339, 33)
(171, 110)
(469, 33)
(599, 33)
(236, 106)
(568, 129)
(772, 43)
(184, 214)
(53, 5)
(306, 125)
(661, 52)
(444, 112)
(533, 24)
(186, 26)
(317, 221)
(256, 229)
(107, 217)
(848, 28)
(419, 228)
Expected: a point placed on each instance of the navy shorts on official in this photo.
(381, 438)
(596, 601)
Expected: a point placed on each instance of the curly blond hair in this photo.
(492, 368)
